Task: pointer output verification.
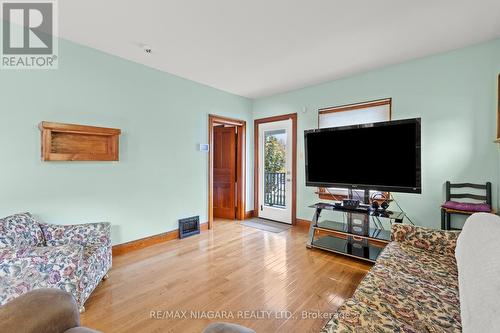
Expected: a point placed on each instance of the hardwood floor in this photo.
(231, 268)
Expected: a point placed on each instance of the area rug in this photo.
(266, 225)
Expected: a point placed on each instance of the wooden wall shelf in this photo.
(68, 142)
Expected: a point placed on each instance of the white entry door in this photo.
(275, 171)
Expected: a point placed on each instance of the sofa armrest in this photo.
(437, 241)
(83, 234)
(41, 310)
(226, 328)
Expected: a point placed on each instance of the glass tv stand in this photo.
(361, 232)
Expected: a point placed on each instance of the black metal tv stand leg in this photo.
(314, 223)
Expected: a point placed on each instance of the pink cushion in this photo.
(467, 206)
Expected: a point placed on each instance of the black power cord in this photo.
(401, 209)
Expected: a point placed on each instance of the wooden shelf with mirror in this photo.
(69, 142)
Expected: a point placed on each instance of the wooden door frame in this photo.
(257, 122)
(240, 165)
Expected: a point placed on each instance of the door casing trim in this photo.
(257, 122)
(240, 165)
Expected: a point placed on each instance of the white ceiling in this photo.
(256, 48)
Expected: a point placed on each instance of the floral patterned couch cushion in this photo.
(83, 234)
(433, 269)
(413, 287)
(20, 230)
(435, 241)
(417, 304)
(40, 267)
(356, 317)
(75, 258)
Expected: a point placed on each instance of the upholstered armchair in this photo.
(34, 255)
(42, 310)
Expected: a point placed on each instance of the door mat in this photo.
(266, 225)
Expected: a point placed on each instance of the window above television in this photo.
(352, 114)
(355, 114)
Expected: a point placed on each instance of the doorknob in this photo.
(288, 180)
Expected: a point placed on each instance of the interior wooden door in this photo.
(224, 190)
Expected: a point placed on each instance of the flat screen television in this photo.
(382, 156)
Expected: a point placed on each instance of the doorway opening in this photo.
(275, 167)
(226, 168)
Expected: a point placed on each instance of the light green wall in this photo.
(161, 175)
(453, 93)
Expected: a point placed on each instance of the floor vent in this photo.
(189, 226)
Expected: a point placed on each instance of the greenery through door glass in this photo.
(274, 154)
(275, 171)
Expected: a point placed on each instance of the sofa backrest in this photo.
(20, 230)
(478, 261)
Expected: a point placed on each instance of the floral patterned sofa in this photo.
(413, 287)
(35, 255)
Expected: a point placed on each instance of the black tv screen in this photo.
(381, 156)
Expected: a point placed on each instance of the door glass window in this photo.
(275, 168)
